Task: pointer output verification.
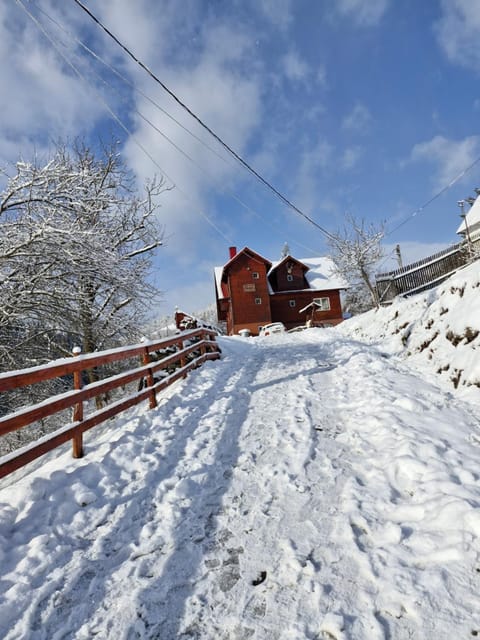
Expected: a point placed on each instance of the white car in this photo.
(274, 327)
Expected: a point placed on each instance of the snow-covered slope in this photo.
(306, 486)
(439, 331)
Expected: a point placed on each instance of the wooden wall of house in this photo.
(290, 316)
(245, 289)
(222, 310)
(280, 281)
(249, 303)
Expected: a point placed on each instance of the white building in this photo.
(470, 227)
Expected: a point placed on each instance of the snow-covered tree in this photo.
(356, 250)
(76, 243)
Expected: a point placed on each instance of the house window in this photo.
(255, 275)
(292, 303)
(289, 278)
(323, 304)
(258, 301)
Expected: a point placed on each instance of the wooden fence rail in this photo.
(192, 348)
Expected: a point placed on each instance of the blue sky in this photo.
(369, 107)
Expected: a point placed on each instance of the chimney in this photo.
(232, 251)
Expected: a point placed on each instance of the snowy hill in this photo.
(439, 330)
(305, 486)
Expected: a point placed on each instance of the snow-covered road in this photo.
(305, 486)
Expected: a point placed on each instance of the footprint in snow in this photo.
(262, 576)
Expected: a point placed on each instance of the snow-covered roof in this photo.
(310, 304)
(218, 271)
(472, 218)
(322, 275)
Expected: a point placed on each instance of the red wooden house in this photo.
(252, 291)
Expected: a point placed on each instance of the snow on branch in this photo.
(356, 250)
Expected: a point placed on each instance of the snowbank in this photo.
(306, 486)
(439, 330)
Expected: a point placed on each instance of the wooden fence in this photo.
(422, 275)
(190, 350)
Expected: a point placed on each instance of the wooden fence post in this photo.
(183, 359)
(157, 355)
(77, 440)
(152, 403)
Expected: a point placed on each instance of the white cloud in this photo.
(313, 162)
(364, 13)
(358, 120)
(350, 157)
(458, 31)
(451, 157)
(217, 90)
(222, 44)
(322, 75)
(294, 67)
(134, 24)
(192, 292)
(42, 98)
(279, 12)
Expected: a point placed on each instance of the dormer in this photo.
(288, 275)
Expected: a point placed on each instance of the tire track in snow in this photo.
(190, 499)
(283, 493)
(297, 489)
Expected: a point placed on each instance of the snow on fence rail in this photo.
(193, 348)
(421, 275)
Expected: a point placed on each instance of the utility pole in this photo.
(399, 256)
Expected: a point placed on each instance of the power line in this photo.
(433, 198)
(225, 190)
(225, 145)
(214, 135)
(134, 88)
(243, 162)
(115, 117)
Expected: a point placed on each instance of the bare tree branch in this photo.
(356, 250)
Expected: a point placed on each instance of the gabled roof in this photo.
(311, 305)
(218, 282)
(220, 272)
(472, 218)
(252, 254)
(320, 273)
(276, 265)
